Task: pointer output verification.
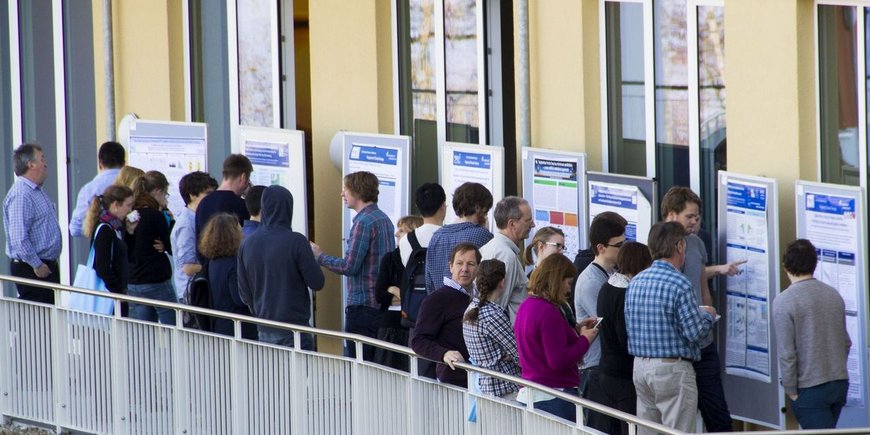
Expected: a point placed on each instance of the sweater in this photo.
(615, 359)
(147, 266)
(809, 319)
(276, 266)
(219, 201)
(549, 348)
(110, 259)
(439, 329)
(224, 289)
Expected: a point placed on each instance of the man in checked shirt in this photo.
(33, 240)
(371, 236)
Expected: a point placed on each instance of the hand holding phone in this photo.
(597, 323)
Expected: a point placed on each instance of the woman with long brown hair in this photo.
(550, 349)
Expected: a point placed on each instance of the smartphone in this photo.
(598, 322)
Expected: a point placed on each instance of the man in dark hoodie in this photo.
(276, 268)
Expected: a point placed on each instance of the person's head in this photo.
(633, 258)
(111, 155)
(682, 205)
(490, 286)
(430, 200)
(667, 241)
(30, 163)
(128, 176)
(800, 258)
(552, 278)
(253, 199)
(116, 200)
(406, 224)
(513, 217)
(547, 241)
(221, 236)
(472, 201)
(236, 173)
(463, 263)
(152, 191)
(359, 190)
(194, 186)
(606, 236)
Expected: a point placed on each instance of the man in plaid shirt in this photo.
(371, 236)
(665, 326)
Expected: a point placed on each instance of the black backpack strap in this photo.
(412, 239)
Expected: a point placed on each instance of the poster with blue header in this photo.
(627, 201)
(387, 157)
(463, 163)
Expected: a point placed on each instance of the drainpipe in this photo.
(109, 69)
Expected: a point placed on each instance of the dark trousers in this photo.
(363, 320)
(36, 294)
(588, 381)
(711, 395)
(617, 393)
(560, 407)
(819, 407)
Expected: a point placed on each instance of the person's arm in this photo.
(784, 327)
(503, 334)
(586, 296)
(428, 327)
(184, 244)
(243, 284)
(20, 211)
(694, 323)
(510, 278)
(729, 269)
(83, 201)
(555, 335)
(706, 297)
(233, 282)
(103, 246)
(360, 239)
(307, 264)
(385, 279)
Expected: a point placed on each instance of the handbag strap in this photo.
(94, 241)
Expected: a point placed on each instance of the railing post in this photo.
(469, 426)
(5, 369)
(57, 330)
(355, 387)
(239, 414)
(181, 387)
(412, 402)
(118, 362)
(299, 382)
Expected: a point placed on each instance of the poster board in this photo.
(461, 163)
(833, 218)
(554, 184)
(634, 198)
(748, 229)
(173, 148)
(278, 157)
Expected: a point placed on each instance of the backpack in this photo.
(413, 282)
(198, 294)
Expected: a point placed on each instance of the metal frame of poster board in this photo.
(646, 186)
(291, 173)
(380, 147)
(173, 134)
(751, 397)
(561, 161)
(856, 412)
(453, 153)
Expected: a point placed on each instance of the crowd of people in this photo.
(625, 324)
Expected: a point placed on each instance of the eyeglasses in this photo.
(615, 245)
(557, 245)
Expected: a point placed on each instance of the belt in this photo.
(49, 262)
(672, 359)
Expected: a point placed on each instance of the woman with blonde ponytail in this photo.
(486, 328)
(105, 224)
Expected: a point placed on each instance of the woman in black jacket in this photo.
(219, 243)
(150, 269)
(105, 224)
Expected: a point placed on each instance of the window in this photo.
(838, 94)
(259, 98)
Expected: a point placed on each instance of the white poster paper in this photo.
(384, 163)
(555, 185)
(627, 201)
(174, 157)
(471, 163)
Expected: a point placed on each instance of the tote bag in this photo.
(86, 277)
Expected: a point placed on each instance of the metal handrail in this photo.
(584, 403)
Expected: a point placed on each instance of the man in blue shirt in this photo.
(371, 236)
(471, 203)
(193, 187)
(33, 239)
(665, 325)
(110, 161)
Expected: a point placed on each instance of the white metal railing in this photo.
(83, 372)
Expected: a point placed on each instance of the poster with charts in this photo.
(173, 148)
(832, 217)
(553, 183)
(748, 322)
(462, 163)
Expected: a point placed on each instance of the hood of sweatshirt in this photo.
(276, 208)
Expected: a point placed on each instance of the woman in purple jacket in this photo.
(550, 349)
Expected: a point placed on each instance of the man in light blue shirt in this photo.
(111, 160)
(193, 187)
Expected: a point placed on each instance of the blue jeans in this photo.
(284, 338)
(363, 320)
(819, 407)
(559, 407)
(711, 394)
(161, 291)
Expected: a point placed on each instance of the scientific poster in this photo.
(462, 163)
(747, 347)
(556, 200)
(384, 162)
(175, 157)
(626, 200)
(271, 161)
(830, 222)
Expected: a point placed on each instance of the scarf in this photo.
(114, 222)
